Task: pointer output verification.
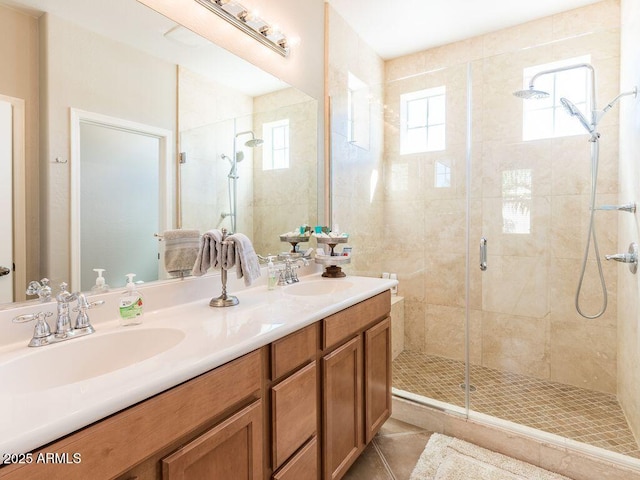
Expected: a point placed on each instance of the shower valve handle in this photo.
(631, 257)
(622, 257)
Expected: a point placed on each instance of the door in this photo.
(121, 196)
(6, 202)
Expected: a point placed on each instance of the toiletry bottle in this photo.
(272, 279)
(131, 304)
(100, 286)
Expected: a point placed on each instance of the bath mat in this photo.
(447, 458)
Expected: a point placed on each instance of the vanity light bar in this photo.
(238, 16)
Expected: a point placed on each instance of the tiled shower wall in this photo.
(522, 317)
(628, 285)
(357, 169)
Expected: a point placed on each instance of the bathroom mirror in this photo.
(120, 61)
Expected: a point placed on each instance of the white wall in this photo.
(82, 70)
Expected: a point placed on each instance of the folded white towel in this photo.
(239, 251)
(180, 251)
(209, 253)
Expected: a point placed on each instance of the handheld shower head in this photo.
(531, 94)
(572, 110)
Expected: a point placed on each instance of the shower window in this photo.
(275, 151)
(422, 125)
(546, 118)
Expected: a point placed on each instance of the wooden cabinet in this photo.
(303, 465)
(294, 406)
(356, 378)
(230, 450)
(294, 413)
(377, 377)
(342, 407)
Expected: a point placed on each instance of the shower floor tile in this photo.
(584, 415)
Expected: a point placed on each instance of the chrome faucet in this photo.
(64, 331)
(63, 322)
(288, 274)
(41, 288)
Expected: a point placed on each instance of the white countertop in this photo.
(212, 337)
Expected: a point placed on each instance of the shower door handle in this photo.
(483, 254)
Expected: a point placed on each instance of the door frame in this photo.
(19, 195)
(165, 138)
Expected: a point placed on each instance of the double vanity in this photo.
(289, 384)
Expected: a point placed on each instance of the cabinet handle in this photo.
(483, 254)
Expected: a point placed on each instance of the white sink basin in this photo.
(84, 358)
(318, 287)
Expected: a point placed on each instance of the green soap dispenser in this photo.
(131, 304)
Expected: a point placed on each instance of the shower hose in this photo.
(591, 235)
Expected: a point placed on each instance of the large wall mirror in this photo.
(123, 124)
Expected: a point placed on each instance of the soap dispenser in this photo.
(131, 304)
(101, 285)
(272, 273)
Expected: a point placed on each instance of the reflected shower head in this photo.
(531, 94)
(572, 110)
(254, 142)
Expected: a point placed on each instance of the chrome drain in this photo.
(472, 388)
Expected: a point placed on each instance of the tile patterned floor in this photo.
(586, 416)
(392, 453)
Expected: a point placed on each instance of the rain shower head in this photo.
(254, 142)
(531, 94)
(572, 110)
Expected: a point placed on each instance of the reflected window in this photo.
(400, 177)
(545, 117)
(358, 96)
(442, 175)
(422, 121)
(516, 201)
(275, 151)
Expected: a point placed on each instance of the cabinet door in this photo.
(342, 408)
(232, 450)
(294, 413)
(377, 377)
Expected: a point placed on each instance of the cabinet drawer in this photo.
(231, 449)
(342, 325)
(303, 465)
(294, 413)
(293, 351)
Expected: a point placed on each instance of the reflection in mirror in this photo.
(147, 70)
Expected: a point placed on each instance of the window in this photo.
(546, 118)
(422, 121)
(275, 151)
(516, 201)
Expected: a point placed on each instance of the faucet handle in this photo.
(41, 332)
(82, 321)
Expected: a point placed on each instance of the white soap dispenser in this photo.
(131, 304)
(272, 275)
(101, 285)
